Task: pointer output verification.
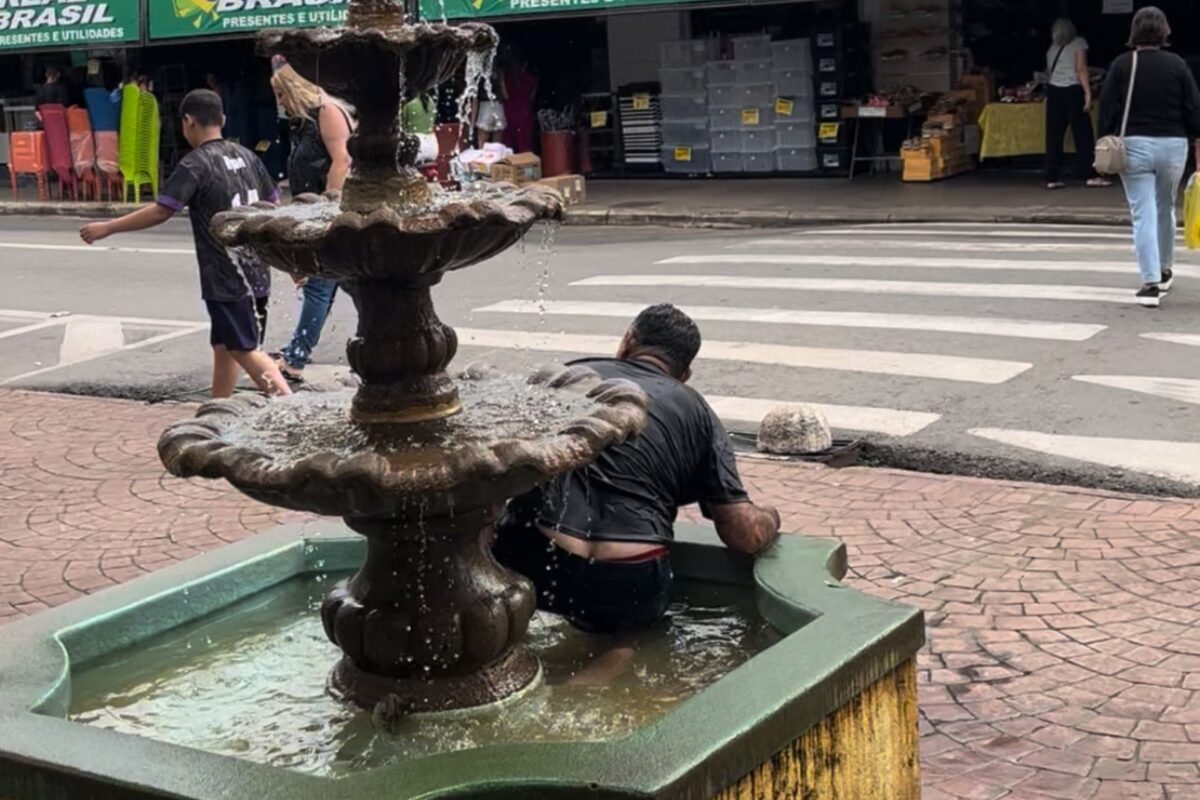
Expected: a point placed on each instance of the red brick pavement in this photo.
(1063, 658)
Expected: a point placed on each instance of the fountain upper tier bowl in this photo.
(306, 454)
(315, 238)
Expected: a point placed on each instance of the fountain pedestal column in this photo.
(430, 618)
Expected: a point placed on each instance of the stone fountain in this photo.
(431, 622)
(417, 463)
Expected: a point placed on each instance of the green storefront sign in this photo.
(28, 24)
(466, 9)
(174, 19)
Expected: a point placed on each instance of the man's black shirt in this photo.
(633, 491)
(216, 176)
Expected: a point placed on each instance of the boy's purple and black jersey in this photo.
(217, 176)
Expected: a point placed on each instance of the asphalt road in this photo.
(992, 350)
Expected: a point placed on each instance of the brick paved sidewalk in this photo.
(1062, 662)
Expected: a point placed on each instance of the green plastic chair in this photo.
(146, 157)
(127, 138)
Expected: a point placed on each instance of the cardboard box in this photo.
(983, 86)
(572, 188)
(517, 168)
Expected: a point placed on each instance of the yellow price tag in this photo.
(829, 130)
(784, 107)
(263, 145)
(599, 119)
(750, 116)
(641, 102)
(683, 154)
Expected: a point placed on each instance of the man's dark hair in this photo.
(668, 333)
(204, 106)
(1150, 28)
(53, 72)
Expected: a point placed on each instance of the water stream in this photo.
(249, 682)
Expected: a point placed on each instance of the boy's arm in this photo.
(147, 216)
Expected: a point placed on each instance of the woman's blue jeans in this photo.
(318, 300)
(1153, 171)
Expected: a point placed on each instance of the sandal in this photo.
(1099, 183)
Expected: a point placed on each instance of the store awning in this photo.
(48, 24)
(198, 19)
(459, 10)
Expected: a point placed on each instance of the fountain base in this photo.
(503, 680)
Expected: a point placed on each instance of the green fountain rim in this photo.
(839, 642)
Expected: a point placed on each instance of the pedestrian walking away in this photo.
(215, 176)
(319, 162)
(1069, 106)
(1151, 100)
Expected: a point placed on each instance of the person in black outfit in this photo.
(53, 91)
(1164, 113)
(215, 176)
(319, 163)
(595, 542)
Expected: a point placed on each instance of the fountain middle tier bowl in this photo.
(314, 237)
(305, 453)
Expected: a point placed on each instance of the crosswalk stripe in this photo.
(1191, 339)
(917, 262)
(919, 365)
(1002, 233)
(164, 251)
(1185, 390)
(850, 286)
(1175, 460)
(987, 326)
(889, 421)
(944, 247)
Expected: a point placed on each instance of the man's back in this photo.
(633, 490)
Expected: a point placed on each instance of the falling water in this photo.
(542, 262)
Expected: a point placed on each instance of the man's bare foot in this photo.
(604, 669)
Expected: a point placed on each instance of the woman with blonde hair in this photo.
(319, 162)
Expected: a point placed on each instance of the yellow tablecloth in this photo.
(1016, 129)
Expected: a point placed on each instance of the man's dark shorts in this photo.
(238, 325)
(595, 596)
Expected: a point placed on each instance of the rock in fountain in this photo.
(430, 621)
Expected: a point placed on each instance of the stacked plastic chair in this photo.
(127, 139)
(146, 154)
(83, 151)
(102, 109)
(103, 112)
(27, 156)
(58, 148)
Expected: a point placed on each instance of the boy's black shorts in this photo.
(238, 325)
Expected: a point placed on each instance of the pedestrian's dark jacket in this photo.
(1166, 100)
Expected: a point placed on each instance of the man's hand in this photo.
(94, 232)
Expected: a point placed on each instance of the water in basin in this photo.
(249, 681)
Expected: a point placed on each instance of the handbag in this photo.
(1110, 150)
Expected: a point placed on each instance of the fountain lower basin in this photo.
(831, 703)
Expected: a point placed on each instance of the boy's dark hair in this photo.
(1150, 28)
(204, 106)
(669, 333)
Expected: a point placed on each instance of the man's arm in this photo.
(147, 216)
(745, 527)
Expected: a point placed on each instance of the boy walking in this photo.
(215, 176)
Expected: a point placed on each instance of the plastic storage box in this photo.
(754, 71)
(795, 135)
(800, 112)
(684, 106)
(792, 54)
(740, 119)
(682, 80)
(693, 53)
(793, 83)
(754, 48)
(690, 134)
(725, 141)
(796, 159)
(758, 141)
(721, 73)
(686, 160)
(726, 162)
(758, 162)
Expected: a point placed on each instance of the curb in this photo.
(706, 218)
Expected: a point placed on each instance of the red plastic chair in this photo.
(107, 164)
(27, 156)
(83, 150)
(58, 148)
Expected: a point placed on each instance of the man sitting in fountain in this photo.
(594, 542)
(216, 176)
